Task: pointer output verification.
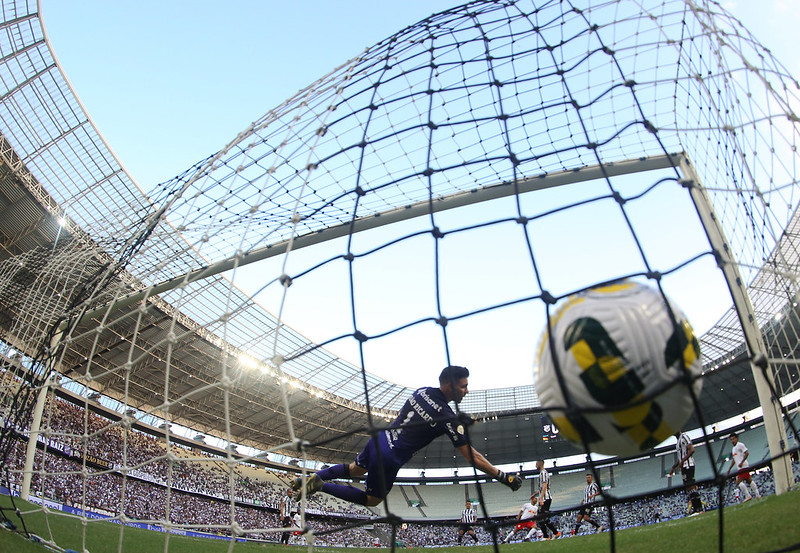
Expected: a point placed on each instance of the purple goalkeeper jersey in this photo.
(424, 417)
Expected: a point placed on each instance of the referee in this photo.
(288, 506)
(467, 520)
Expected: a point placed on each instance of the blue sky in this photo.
(168, 83)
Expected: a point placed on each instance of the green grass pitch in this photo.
(758, 526)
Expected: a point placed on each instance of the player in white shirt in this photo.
(526, 520)
(297, 530)
(739, 455)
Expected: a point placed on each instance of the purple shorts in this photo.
(381, 469)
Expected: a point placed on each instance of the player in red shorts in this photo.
(297, 529)
(739, 456)
(526, 521)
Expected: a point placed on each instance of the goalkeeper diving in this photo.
(424, 417)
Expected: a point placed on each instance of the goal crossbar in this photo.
(443, 203)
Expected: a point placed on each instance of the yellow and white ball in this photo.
(617, 346)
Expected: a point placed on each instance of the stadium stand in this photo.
(201, 485)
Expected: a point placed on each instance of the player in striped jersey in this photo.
(545, 499)
(468, 517)
(590, 493)
(684, 450)
(288, 506)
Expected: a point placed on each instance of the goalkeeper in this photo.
(425, 416)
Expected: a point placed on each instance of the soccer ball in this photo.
(623, 355)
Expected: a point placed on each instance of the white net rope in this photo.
(424, 204)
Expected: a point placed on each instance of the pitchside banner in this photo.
(66, 450)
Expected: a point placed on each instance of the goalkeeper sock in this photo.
(348, 493)
(334, 472)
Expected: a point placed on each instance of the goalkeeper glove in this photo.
(513, 481)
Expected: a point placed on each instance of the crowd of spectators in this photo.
(106, 492)
(88, 455)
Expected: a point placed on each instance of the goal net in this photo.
(172, 357)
